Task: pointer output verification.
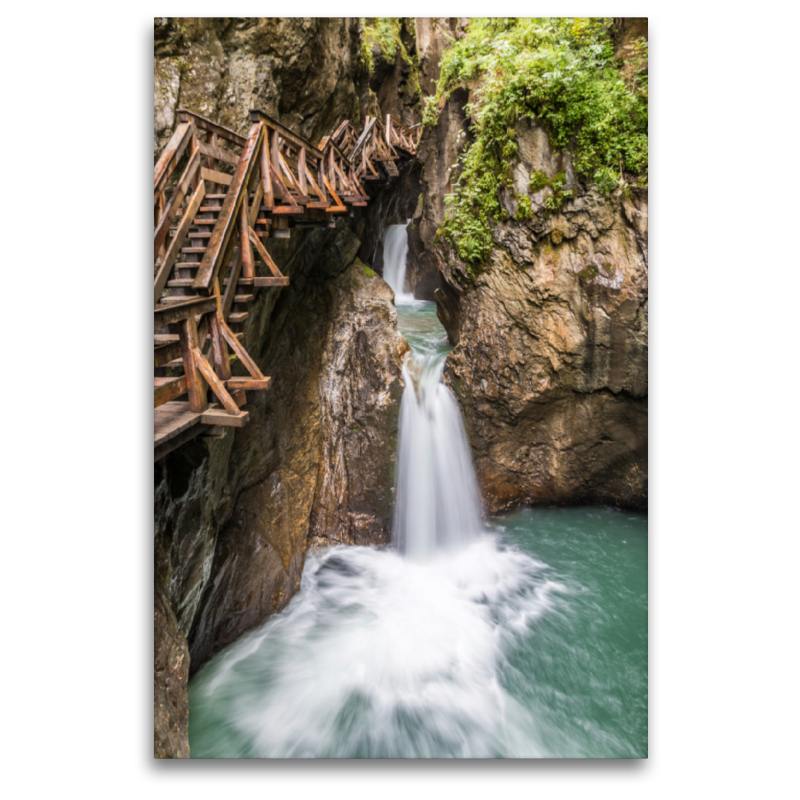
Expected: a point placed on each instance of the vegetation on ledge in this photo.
(560, 71)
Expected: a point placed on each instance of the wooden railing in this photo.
(258, 186)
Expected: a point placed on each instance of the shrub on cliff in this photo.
(560, 71)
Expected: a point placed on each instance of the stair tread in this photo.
(239, 317)
(242, 298)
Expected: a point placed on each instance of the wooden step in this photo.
(232, 384)
(181, 283)
(242, 298)
(166, 389)
(161, 339)
(209, 209)
(216, 196)
(238, 317)
(173, 299)
(188, 250)
(241, 281)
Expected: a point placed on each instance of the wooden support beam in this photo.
(217, 416)
(266, 282)
(266, 177)
(248, 266)
(194, 306)
(217, 152)
(183, 187)
(247, 383)
(265, 256)
(214, 382)
(166, 389)
(242, 354)
(195, 385)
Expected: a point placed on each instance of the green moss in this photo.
(558, 70)
(370, 273)
(589, 273)
(524, 210)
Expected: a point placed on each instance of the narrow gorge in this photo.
(433, 521)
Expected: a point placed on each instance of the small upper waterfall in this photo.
(395, 250)
(437, 500)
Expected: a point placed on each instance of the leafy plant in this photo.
(558, 70)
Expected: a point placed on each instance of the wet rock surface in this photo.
(550, 365)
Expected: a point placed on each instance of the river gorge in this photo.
(430, 539)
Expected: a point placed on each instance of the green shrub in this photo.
(560, 71)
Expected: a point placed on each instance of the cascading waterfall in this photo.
(454, 642)
(395, 251)
(438, 505)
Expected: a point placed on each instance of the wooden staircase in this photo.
(211, 219)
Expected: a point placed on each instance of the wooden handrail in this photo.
(285, 133)
(205, 124)
(227, 221)
(171, 155)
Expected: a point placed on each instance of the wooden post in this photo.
(266, 178)
(301, 170)
(195, 384)
(248, 267)
(219, 349)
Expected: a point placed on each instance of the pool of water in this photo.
(529, 640)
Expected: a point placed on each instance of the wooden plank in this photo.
(166, 389)
(265, 256)
(215, 177)
(265, 282)
(171, 419)
(219, 350)
(214, 382)
(171, 155)
(248, 266)
(216, 416)
(274, 125)
(233, 278)
(301, 170)
(195, 385)
(337, 208)
(164, 222)
(223, 231)
(164, 315)
(243, 355)
(247, 383)
(266, 177)
(205, 124)
(164, 271)
(217, 152)
(301, 195)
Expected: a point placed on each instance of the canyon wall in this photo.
(550, 362)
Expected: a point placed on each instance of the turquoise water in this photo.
(529, 641)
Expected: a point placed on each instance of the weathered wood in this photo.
(175, 246)
(217, 152)
(214, 382)
(216, 416)
(266, 177)
(165, 315)
(265, 282)
(184, 184)
(214, 176)
(246, 250)
(205, 124)
(223, 231)
(166, 389)
(340, 205)
(247, 383)
(273, 124)
(233, 278)
(171, 155)
(195, 385)
(242, 354)
(265, 256)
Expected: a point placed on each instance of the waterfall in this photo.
(437, 500)
(395, 250)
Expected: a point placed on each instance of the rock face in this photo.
(235, 516)
(302, 71)
(550, 365)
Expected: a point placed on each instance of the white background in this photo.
(77, 533)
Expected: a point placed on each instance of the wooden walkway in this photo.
(217, 196)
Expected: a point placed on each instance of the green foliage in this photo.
(524, 210)
(383, 32)
(558, 70)
(430, 112)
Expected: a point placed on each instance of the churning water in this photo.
(522, 638)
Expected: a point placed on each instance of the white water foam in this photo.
(381, 656)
